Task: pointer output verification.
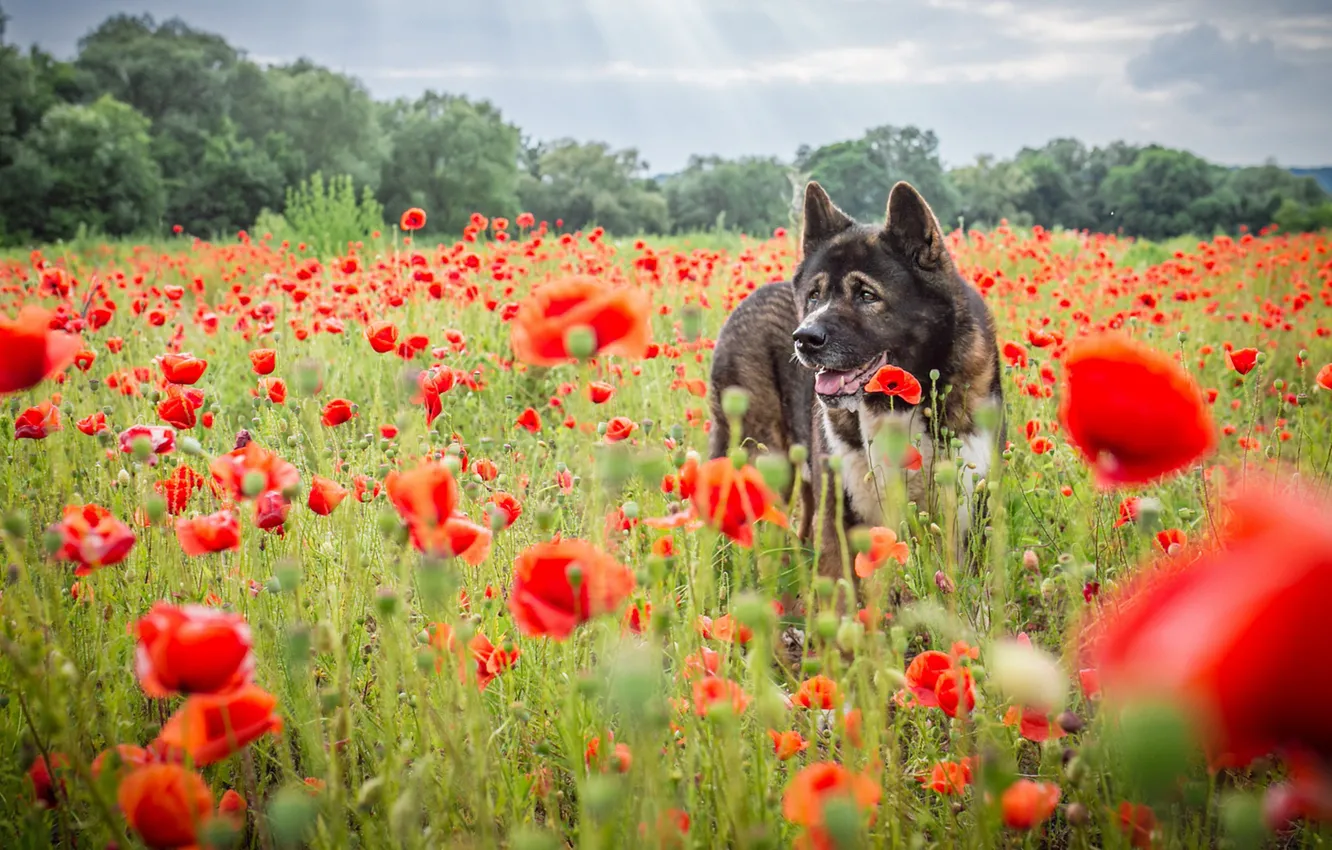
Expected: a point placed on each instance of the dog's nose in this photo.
(811, 338)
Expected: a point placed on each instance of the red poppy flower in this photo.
(262, 469)
(36, 423)
(166, 804)
(712, 691)
(179, 407)
(559, 584)
(530, 420)
(178, 487)
(1324, 378)
(1034, 725)
(209, 727)
(325, 495)
(182, 368)
(787, 745)
(456, 537)
(1249, 681)
(883, 546)
(922, 674)
(263, 361)
(895, 381)
(947, 777)
(338, 411)
(192, 650)
(92, 424)
(1015, 355)
(1028, 804)
(270, 511)
(1137, 822)
(600, 392)
(382, 336)
(616, 316)
(413, 219)
(814, 786)
(425, 496)
(121, 759)
(217, 532)
(955, 691)
(44, 779)
(620, 428)
(160, 440)
(232, 806)
(275, 389)
(1171, 537)
(92, 538)
(731, 500)
(818, 692)
(1242, 360)
(508, 506)
(34, 351)
(1133, 412)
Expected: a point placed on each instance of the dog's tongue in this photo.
(829, 382)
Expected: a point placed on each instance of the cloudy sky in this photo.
(1236, 81)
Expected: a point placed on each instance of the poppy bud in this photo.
(850, 635)
(190, 446)
(1030, 561)
(798, 454)
(155, 506)
(16, 523)
(825, 625)
(945, 473)
(1070, 722)
(752, 611)
(1077, 815)
(860, 540)
(252, 484)
(580, 341)
(775, 470)
(386, 601)
(824, 587)
(735, 402)
(943, 582)
(841, 818)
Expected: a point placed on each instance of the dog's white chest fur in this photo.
(865, 472)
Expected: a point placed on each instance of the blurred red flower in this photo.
(34, 351)
(192, 649)
(560, 584)
(616, 316)
(1133, 412)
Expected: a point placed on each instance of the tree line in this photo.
(156, 126)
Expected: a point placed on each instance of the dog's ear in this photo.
(912, 229)
(823, 220)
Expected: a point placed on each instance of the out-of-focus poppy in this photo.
(191, 649)
(34, 351)
(560, 584)
(617, 318)
(1132, 412)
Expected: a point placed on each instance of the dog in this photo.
(864, 296)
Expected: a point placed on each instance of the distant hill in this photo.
(1323, 175)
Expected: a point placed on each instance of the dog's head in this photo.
(870, 295)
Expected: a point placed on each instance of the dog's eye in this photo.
(812, 297)
(867, 296)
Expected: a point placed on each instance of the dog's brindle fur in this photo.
(861, 292)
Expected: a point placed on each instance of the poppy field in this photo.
(419, 545)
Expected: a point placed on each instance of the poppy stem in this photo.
(252, 791)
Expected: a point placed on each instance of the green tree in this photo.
(1163, 194)
(751, 194)
(330, 118)
(588, 184)
(451, 157)
(233, 182)
(83, 165)
(1260, 192)
(989, 192)
(859, 174)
